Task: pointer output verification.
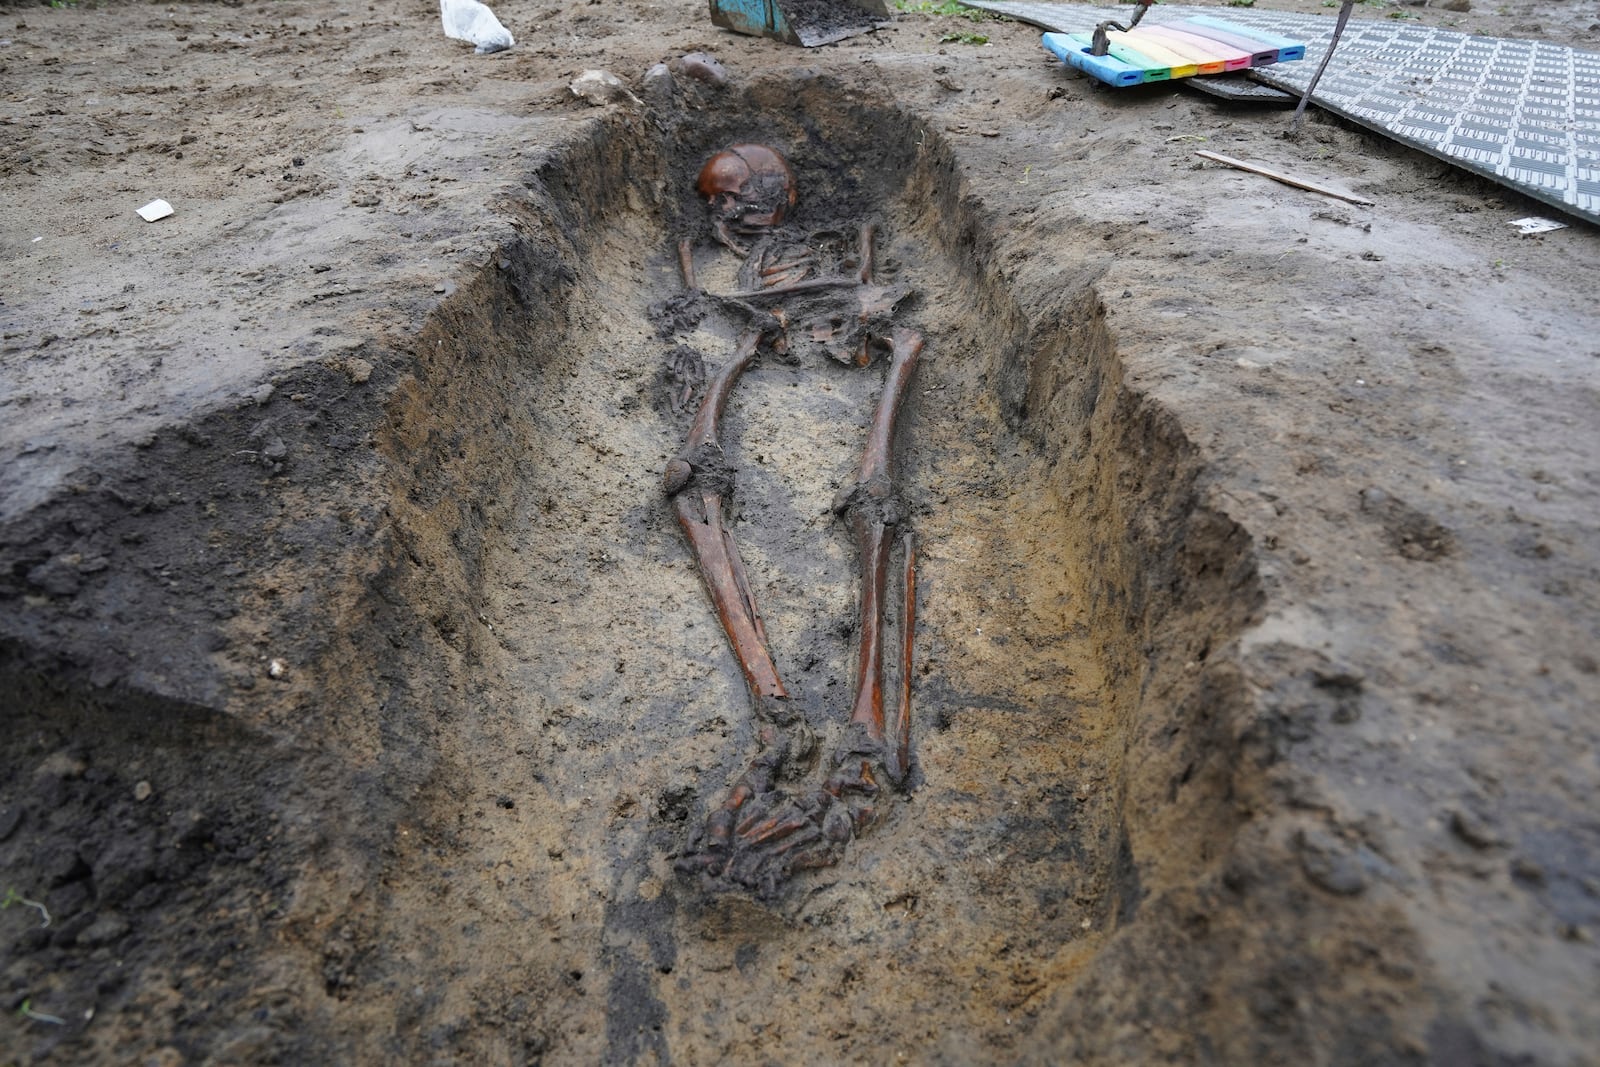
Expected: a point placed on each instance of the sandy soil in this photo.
(363, 695)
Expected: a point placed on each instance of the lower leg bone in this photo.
(697, 480)
(872, 508)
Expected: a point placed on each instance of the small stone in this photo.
(56, 577)
(142, 791)
(1457, 5)
(658, 80)
(103, 931)
(600, 87)
(165, 1056)
(62, 764)
(357, 369)
(1329, 863)
(263, 393)
(700, 67)
(251, 1044)
(1473, 830)
(1527, 872)
(277, 669)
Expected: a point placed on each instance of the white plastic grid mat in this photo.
(1524, 113)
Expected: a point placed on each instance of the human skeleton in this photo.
(809, 295)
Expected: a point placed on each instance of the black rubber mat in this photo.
(1239, 89)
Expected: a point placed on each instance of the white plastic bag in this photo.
(469, 20)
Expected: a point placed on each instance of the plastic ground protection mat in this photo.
(1524, 113)
(1163, 51)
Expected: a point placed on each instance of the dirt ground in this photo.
(362, 697)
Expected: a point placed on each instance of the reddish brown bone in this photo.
(900, 755)
(720, 229)
(868, 232)
(872, 509)
(697, 502)
(686, 263)
(750, 185)
(807, 286)
(786, 267)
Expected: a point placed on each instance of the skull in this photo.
(749, 186)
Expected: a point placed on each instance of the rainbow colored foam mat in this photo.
(1181, 49)
(1523, 113)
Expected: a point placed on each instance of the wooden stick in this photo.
(1305, 97)
(901, 753)
(1278, 176)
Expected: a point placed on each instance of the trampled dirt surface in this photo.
(362, 696)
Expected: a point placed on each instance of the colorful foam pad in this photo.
(1182, 49)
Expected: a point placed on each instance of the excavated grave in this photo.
(503, 701)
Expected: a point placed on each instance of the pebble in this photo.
(1329, 863)
(658, 81)
(103, 931)
(357, 369)
(701, 68)
(1473, 830)
(142, 791)
(56, 577)
(1527, 872)
(61, 764)
(599, 87)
